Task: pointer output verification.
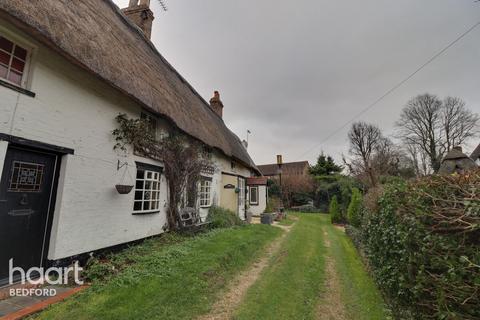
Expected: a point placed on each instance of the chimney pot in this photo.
(138, 11)
(216, 104)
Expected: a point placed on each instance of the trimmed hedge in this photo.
(423, 245)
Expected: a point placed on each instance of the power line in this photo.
(395, 87)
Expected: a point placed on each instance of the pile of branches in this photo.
(449, 204)
(423, 244)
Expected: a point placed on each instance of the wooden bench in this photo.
(190, 220)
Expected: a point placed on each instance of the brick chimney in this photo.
(216, 104)
(138, 11)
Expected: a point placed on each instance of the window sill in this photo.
(254, 204)
(205, 207)
(14, 87)
(145, 213)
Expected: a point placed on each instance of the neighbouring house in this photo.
(475, 156)
(291, 169)
(257, 195)
(456, 162)
(67, 69)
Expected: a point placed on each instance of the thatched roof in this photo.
(455, 153)
(476, 153)
(96, 36)
(456, 162)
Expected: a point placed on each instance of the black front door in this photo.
(25, 200)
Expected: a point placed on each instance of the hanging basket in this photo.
(123, 188)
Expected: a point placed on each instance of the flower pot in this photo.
(123, 189)
(266, 218)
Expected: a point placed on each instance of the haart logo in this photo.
(40, 276)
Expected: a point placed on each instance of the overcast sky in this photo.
(295, 71)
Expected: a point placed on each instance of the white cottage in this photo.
(67, 69)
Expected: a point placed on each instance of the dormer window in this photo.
(13, 61)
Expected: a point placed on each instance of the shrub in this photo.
(423, 246)
(223, 218)
(333, 185)
(371, 198)
(334, 210)
(273, 204)
(355, 235)
(355, 208)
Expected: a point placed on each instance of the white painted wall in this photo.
(222, 164)
(73, 109)
(256, 210)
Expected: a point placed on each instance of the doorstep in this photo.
(19, 307)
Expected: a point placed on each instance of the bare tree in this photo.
(434, 126)
(364, 140)
(418, 159)
(386, 159)
(459, 123)
(292, 185)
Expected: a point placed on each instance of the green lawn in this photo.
(289, 288)
(292, 286)
(289, 220)
(173, 281)
(181, 278)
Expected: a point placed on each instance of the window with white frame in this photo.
(13, 61)
(147, 190)
(205, 194)
(254, 195)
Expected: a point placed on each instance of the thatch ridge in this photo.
(95, 35)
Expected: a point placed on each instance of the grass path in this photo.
(350, 285)
(289, 287)
(316, 275)
(329, 308)
(229, 301)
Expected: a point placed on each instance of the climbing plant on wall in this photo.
(182, 157)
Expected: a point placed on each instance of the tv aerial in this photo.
(163, 5)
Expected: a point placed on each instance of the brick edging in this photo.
(42, 304)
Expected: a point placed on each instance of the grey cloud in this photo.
(294, 71)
